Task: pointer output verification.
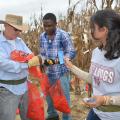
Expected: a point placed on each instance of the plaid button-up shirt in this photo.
(49, 50)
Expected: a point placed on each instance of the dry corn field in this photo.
(78, 26)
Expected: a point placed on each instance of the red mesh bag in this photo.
(17, 111)
(44, 84)
(21, 56)
(35, 71)
(35, 103)
(58, 98)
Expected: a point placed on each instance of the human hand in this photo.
(34, 61)
(95, 101)
(68, 63)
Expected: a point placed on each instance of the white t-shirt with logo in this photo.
(106, 80)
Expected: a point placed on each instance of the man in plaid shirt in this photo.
(52, 41)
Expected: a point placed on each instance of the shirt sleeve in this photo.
(68, 46)
(8, 65)
(12, 66)
(81, 74)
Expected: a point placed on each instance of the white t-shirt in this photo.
(106, 80)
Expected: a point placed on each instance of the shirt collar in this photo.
(2, 38)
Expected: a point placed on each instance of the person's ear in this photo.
(104, 29)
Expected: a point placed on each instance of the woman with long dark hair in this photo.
(104, 73)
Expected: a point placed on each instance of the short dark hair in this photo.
(50, 16)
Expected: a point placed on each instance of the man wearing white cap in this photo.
(13, 75)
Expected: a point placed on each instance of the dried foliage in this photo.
(77, 25)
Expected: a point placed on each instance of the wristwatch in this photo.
(111, 101)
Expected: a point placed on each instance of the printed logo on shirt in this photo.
(102, 73)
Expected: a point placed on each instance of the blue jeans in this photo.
(65, 79)
(92, 115)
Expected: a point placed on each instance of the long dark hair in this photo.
(111, 20)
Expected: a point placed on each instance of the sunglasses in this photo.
(16, 30)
